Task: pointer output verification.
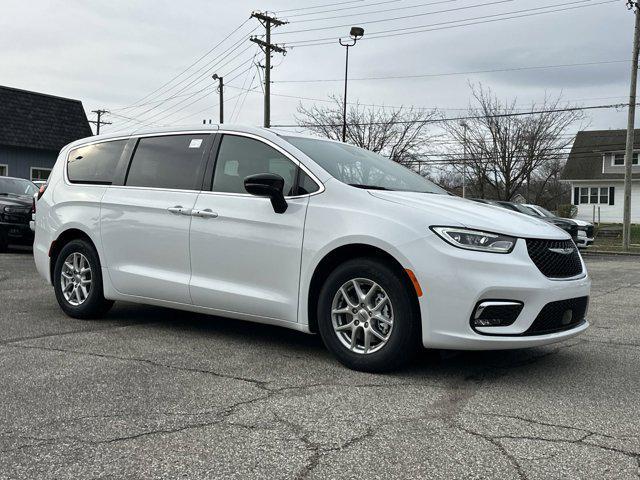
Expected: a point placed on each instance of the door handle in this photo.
(206, 213)
(179, 209)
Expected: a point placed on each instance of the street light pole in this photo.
(356, 33)
(221, 92)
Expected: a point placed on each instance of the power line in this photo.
(191, 65)
(404, 17)
(206, 94)
(222, 56)
(207, 108)
(193, 83)
(361, 13)
(471, 22)
(244, 82)
(413, 107)
(201, 76)
(476, 117)
(322, 5)
(244, 99)
(447, 74)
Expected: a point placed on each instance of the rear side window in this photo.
(240, 157)
(173, 161)
(95, 163)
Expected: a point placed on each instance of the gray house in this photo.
(33, 128)
(595, 170)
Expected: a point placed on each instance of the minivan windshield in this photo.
(16, 186)
(361, 168)
(545, 212)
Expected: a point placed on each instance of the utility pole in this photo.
(464, 125)
(221, 92)
(99, 120)
(267, 47)
(626, 221)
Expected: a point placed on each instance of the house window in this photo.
(604, 195)
(39, 174)
(584, 195)
(618, 159)
(4, 170)
(595, 195)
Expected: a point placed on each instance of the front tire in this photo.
(77, 281)
(366, 316)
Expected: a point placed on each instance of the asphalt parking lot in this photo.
(156, 393)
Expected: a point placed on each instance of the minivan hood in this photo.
(456, 211)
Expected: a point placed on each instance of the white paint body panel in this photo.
(146, 247)
(247, 260)
(253, 264)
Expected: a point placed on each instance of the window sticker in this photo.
(195, 143)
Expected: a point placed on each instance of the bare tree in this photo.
(400, 133)
(507, 149)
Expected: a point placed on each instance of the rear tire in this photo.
(77, 281)
(387, 336)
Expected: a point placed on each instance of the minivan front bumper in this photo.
(454, 281)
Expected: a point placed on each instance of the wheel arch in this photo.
(64, 238)
(346, 252)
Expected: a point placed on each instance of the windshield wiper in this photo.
(370, 187)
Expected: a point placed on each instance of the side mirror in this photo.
(267, 185)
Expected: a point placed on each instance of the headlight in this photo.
(476, 239)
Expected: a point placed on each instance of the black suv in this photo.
(567, 225)
(16, 207)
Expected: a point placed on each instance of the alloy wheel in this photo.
(75, 279)
(362, 316)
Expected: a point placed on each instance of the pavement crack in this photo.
(258, 383)
(317, 449)
(505, 453)
(11, 341)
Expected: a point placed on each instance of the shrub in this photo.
(567, 210)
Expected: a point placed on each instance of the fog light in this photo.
(496, 313)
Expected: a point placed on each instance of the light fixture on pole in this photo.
(356, 33)
(221, 91)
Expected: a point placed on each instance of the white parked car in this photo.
(585, 234)
(304, 233)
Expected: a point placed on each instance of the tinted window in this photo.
(362, 168)
(305, 184)
(95, 163)
(240, 157)
(167, 162)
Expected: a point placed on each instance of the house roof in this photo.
(36, 120)
(585, 159)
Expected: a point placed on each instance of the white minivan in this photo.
(305, 233)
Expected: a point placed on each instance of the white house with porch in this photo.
(595, 171)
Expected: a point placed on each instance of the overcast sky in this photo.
(111, 54)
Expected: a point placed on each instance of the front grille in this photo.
(555, 264)
(590, 231)
(559, 316)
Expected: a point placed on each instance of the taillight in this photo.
(33, 205)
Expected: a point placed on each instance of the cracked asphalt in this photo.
(156, 393)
